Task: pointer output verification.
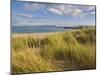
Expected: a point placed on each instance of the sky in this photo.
(37, 14)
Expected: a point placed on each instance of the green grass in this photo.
(73, 50)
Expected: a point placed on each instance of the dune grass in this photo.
(72, 50)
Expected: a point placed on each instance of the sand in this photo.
(35, 35)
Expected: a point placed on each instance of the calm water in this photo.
(32, 29)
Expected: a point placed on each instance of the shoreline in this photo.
(35, 35)
(39, 35)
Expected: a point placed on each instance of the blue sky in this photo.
(34, 14)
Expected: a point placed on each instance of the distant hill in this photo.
(54, 26)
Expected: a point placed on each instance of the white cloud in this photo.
(56, 11)
(93, 13)
(79, 11)
(91, 8)
(72, 10)
(24, 15)
(32, 6)
(36, 22)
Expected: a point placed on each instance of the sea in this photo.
(36, 29)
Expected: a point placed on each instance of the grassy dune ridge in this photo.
(71, 50)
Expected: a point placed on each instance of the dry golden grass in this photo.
(72, 50)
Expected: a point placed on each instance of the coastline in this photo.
(35, 35)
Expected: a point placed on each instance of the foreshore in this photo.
(35, 35)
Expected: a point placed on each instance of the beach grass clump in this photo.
(24, 42)
(29, 60)
(85, 35)
(71, 50)
(33, 42)
(18, 43)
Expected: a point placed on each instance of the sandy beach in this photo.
(35, 35)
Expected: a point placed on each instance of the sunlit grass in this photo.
(29, 60)
(71, 50)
